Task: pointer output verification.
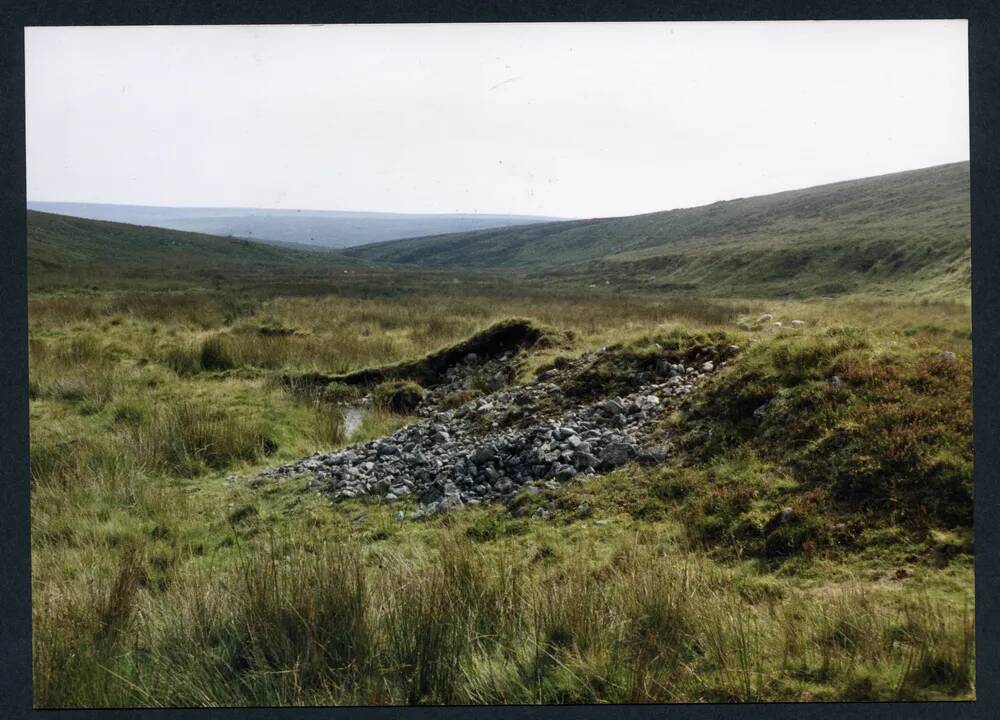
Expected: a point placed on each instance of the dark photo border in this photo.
(984, 93)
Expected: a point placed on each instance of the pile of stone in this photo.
(474, 373)
(490, 448)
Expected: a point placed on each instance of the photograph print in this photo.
(492, 364)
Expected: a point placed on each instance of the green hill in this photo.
(64, 250)
(906, 232)
(327, 229)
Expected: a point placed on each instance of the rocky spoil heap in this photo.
(473, 373)
(490, 448)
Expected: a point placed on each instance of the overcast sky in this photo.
(571, 120)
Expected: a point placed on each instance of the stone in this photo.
(583, 460)
(653, 455)
(490, 448)
(386, 449)
(565, 473)
(615, 454)
(483, 455)
(448, 503)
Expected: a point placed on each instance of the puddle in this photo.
(353, 417)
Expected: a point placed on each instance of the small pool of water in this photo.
(353, 417)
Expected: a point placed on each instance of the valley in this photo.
(263, 475)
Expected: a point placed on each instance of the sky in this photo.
(559, 119)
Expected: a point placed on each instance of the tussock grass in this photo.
(157, 582)
(464, 625)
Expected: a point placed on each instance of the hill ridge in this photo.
(911, 229)
(329, 229)
(62, 247)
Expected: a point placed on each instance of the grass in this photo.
(360, 620)
(60, 247)
(903, 233)
(159, 580)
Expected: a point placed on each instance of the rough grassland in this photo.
(158, 582)
(906, 233)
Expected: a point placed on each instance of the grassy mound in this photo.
(502, 337)
(813, 441)
(398, 396)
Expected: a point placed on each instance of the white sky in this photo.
(573, 120)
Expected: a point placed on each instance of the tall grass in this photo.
(330, 624)
(150, 590)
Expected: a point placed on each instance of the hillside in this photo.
(904, 232)
(324, 228)
(64, 248)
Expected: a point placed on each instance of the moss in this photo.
(490, 526)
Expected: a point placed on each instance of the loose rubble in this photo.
(514, 438)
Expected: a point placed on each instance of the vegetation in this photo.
(907, 232)
(62, 248)
(809, 539)
(398, 396)
(323, 228)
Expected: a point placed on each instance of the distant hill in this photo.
(325, 228)
(69, 250)
(904, 232)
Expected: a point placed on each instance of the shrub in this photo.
(398, 396)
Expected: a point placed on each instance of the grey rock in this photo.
(565, 473)
(583, 460)
(653, 455)
(483, 455)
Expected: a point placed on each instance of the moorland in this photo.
(807, 536)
